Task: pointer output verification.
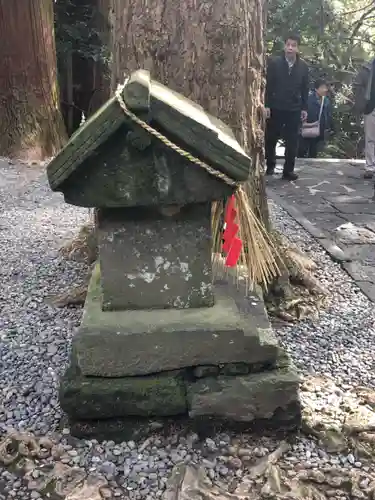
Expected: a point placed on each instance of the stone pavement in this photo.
(333, 202)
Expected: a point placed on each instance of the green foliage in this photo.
(337, 37)
(76, 30)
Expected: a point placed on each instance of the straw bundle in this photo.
(260, 260)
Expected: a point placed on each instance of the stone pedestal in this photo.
(214, 364)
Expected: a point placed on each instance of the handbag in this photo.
(312, 130)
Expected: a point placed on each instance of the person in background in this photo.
(287, 89)
(319, 108)
(364, 104)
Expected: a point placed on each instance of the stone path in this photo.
(333, 202)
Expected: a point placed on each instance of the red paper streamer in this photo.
(234, 253)
(229, 233)
(232, 245)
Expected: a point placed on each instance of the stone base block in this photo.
(285, 420)
(101, 398)
(165, 262)
(130, 406)
(132, 343)
(217, 368)
(244, 398)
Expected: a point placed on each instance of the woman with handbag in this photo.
(319, 121)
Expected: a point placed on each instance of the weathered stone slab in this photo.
(149, 261)
(328, 222)
(124, 343)
(308, 208)
(357, 208)
(346, 199)
(361, 252)
(137, 428)
(205, 371)
(246, 398)
(100, 398)
(360, 272)
(237, 368)
(363, 220)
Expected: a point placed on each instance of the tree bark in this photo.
(31, 125)
(210, 51)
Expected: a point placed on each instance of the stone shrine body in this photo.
(157, 338)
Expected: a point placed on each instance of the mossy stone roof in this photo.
(179, 119)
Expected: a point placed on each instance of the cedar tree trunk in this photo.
(31, 126)
(211, 51)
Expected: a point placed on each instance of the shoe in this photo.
(368, 175)
(290, 176)
(270, 171)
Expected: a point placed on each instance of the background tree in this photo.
(31, 126)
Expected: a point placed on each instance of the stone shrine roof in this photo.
(179, 119)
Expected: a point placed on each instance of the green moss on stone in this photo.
(98, 397)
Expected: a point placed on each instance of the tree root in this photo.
(296, 294)
(21, 444)
(84, 247)
(76, 296)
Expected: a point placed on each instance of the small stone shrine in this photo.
(157, 338)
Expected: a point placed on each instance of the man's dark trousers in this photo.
(284, 124)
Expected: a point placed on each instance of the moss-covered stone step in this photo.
(101, 398)
(245, 398)
(121, 429)
(240, 368)
(132, 343)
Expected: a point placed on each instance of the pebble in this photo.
(235, 462)
(351, 459)
(223, 471)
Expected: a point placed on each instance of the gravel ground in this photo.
(334, 354)
(341, 343)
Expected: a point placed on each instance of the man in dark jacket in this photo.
(287, 90)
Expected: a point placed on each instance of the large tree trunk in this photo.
(211, 51)
(31, 125)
